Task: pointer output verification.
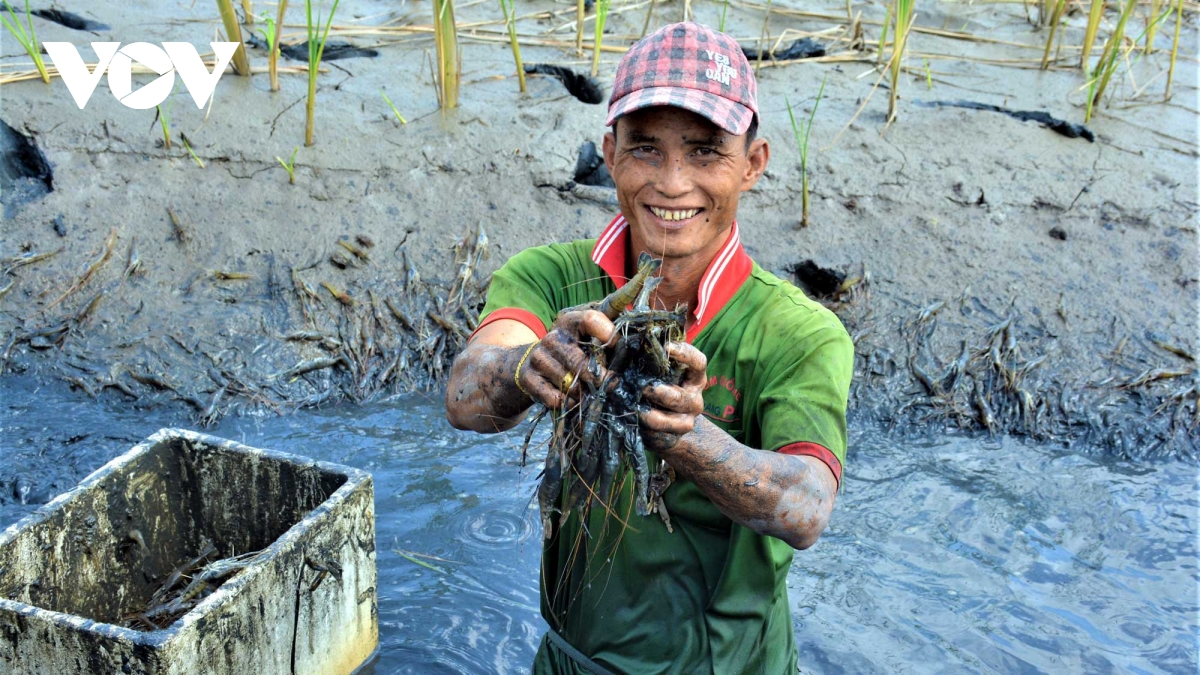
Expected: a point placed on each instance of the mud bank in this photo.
(1011, 278)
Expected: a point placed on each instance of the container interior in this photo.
(102, 555)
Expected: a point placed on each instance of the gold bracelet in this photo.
(517, 375)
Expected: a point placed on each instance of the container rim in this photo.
(355, 479)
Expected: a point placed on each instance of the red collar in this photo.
(726, 273)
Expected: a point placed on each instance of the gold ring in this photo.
(567, 381)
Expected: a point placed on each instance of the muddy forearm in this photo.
(481, 394)
(772, 494)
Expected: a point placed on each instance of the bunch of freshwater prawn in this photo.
(598, 440)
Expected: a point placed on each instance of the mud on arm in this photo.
(482, 393)
(789, 497)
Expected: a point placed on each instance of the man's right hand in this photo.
(482, 393)
(544, 372)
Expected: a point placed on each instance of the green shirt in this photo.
(712, 595)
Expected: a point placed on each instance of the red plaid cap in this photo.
(690, 66)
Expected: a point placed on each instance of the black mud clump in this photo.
(1063, 127)
(72, 21)
(590, 169)
(804, 48)
(817, 281)
(582, 87)
(25, 174)
(334, 51)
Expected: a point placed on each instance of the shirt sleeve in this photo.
(803, 405)
(525, 289)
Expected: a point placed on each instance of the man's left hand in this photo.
(673, 408)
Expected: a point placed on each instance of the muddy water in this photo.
(955, 554)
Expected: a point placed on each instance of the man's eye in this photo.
(706, 152)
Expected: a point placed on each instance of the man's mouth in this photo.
(674, 216)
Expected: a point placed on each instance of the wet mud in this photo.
(230, 289)
(25, 174)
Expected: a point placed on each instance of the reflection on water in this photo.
(949, 556)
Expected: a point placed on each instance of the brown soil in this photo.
(1090, 247)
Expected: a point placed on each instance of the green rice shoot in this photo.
(164, 119)
(903, 19)
(764, 37)
(580, 11)
(1056, 15)
(233, 32)
(445, 37)
(28, 40)
(510, 22)
(928, 75)
(1110, 59)
(390, 105)
(273, 57)
(1174, 48)
(602, 7)
(1089, 36)
(801, 132)
(1107, 65)
(1152, 25)
(290, 165)
(316, 48)
(188, 146)
(267, 30)
(724, 11)
(883, 33)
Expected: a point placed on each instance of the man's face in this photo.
(678, 179)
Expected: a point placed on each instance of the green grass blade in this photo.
(416, 561)
(325, 35)
(812, 116)
(393, 107)
(1089, 35)
(15, 27)
(602, 7)
(29, 19)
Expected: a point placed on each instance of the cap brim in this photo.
(730, 116)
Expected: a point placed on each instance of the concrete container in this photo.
(73, 571)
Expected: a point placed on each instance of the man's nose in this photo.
(674, 179)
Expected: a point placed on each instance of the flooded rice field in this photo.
(959, 554)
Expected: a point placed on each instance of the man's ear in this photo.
(609, 147)
(757, 157)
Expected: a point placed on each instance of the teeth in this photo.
(673, 215)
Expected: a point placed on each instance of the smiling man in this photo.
(756, 432)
